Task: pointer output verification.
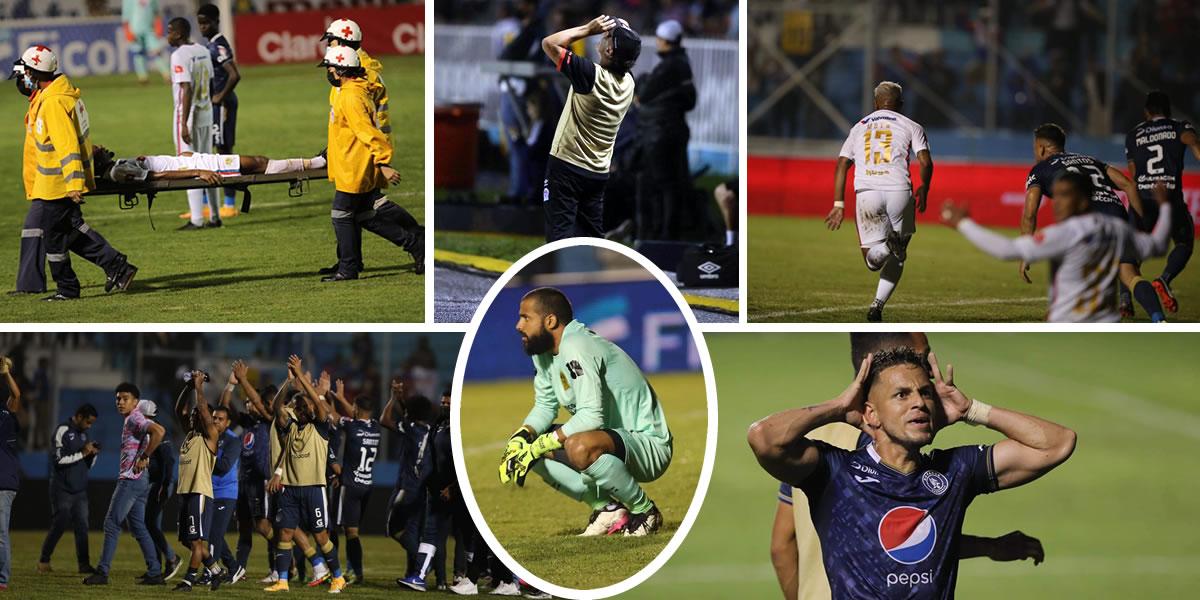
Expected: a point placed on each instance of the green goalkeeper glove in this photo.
(517, 444)
(543, 445)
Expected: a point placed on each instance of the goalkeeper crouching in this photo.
(617, 436)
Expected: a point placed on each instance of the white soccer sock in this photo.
(730, 237)
(317, 162)
(889, 276)
(426, 552)
(877, 256)
(196, 206)
(284, 166)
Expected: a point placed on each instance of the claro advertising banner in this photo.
(274, 38)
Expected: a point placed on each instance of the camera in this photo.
(187, 377)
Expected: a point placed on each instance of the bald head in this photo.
(888, 95)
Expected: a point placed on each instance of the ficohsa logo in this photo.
(907, 534)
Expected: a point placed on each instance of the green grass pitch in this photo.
(801, 272)
(1117, 520)
(537, 525)
(261, 267)
(383, 561)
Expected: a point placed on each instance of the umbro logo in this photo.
(861, 479)
(709, 267)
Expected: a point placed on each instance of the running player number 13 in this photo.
(884, 136)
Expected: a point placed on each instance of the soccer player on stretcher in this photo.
(210, 168)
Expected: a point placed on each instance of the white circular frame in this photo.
(710, 447)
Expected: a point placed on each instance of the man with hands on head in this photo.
(890, 517)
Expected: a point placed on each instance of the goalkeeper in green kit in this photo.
(617, 436)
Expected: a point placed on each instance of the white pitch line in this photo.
(951, 303)
(1089, 395)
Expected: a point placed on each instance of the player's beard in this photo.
(538, 343)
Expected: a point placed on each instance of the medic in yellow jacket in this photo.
(358, 152)
(58, 152)
(344, 32)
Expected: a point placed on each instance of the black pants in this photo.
(31, 271)
(663, 184)
(223, 510)
(67, 509)
(354, 212)
(573, 202)
(154, 509)
(65, 231)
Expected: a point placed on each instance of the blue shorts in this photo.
(225, 125)
(195, 517)
(303, 506)
(349, 504)
(253, 499)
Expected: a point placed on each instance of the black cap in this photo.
(627, 46)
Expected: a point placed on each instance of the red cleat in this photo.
(1165, 296)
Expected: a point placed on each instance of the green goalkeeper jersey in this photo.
(595, 381)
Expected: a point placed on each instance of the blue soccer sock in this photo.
(331, 558)
(1148, 298)
(283, 559)
(230, 199)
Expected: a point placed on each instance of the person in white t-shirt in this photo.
(191, 74)
(1084, 248)
(885, 204)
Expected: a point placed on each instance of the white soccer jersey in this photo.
(1084, 253)
(879, 145)
(138, 169)
(192, 63)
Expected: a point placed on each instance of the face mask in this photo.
(25, 85)
(333, 79)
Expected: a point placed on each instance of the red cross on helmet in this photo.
(340, 57)
(39, 58)
(343, 30)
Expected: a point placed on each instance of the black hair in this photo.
(1053, 133)
(181, 25)
(553, 302)
(86, 410)
(892, 357)
(350, 71)
(419, 408)
(210, 11)
(1158, 103)
(1082, 183)
(37, 75)
(864, 343)
(125, 386)
(446, 392)
(365, 402)
(228, 410)
(102, 159)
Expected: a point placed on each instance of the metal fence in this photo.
(460, 49)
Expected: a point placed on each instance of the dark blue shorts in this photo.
(195, 517)
(303, 506)
(253, 499)
(350, 503)
(225, 125)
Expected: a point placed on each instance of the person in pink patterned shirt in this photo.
(139, 437)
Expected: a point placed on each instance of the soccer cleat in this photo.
(645, 523)
(875, 314)
(465, 587)
(237, 576)
(172, 567)
(602, 521)
(279, 586)
(412, 582)
(1165, 296)
(96, 579)
(213, 224)
(320, 575)
(336, 585)
(271, 577)
(215, 580)
(57, 297)
(182, 586)
(338, 277)
(228, 212)
(507, 588)
(190, 226)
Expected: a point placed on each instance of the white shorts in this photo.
(876, 212)
(199, 126)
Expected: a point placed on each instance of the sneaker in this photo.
(172, 568)
(645, 523)
(213, 224)
(603, 520)
(464, 587)
(58, 297)
(537, 594)
(216, 579)
(190, 226)
(418, 254)
(875, 314)
(182, 586)
(121, 279)
(96, 579)
(412, 582)
(236, 576)
(1165, 296)
(279, 586)
(44, 567)
(86, 569)
(507, 588)
(336, 585)
(272, 577)
(320, 575)
(227, 212)
(340, 277)
(328, 270)
(156, 580)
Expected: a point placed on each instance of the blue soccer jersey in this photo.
(1104, 192)
(887, 534)
(362, 447)
(221, 53)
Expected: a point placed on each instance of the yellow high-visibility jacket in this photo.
(379, 94)
(356, 146)
(57, 153)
